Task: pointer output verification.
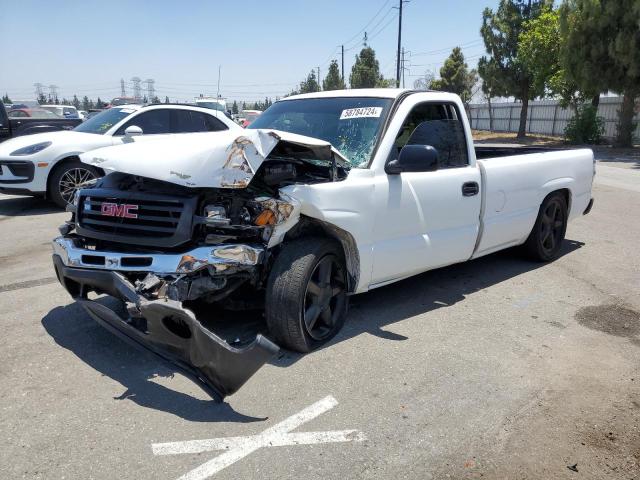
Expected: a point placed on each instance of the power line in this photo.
(357, 35)
(462, 46)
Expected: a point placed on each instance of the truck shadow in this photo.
(22, 206)
(372, 311)
(71, 328)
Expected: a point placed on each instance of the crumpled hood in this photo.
(203, 160)
(65, 137)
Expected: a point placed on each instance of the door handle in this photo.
(469, 189)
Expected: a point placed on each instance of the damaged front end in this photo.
(156, 322)
(176, 251)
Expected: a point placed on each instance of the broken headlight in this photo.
(216, 215)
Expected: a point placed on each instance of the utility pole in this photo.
(219, 71)
(399, 42)
(342, 48)
(318, 78)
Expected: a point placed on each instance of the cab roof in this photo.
(356, 92)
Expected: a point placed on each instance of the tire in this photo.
(306, 298)
(66, 178)
(545, 240)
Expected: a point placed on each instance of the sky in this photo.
(263, 48)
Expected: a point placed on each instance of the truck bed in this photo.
(515, 182)
(487, 151)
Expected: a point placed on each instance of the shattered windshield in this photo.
(351, 124)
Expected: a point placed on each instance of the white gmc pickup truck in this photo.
(325, 195)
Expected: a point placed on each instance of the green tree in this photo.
(234, 107)
(155, 99)
(85, 103)
(6, 99)
(333, 80)
(310, 84)
(75, 102)
(455, 76)
(501, 31)
(365, 72)
(490, 83)
(540, 46)
(601, 51)
(166, 99)
(99, 103)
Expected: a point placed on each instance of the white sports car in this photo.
(47, 164)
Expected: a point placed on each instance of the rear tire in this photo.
(545, 240)
(306, 299)
(67, 178)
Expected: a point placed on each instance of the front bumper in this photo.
(220, 257)
(163, 327)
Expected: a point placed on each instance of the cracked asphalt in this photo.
(497, 368)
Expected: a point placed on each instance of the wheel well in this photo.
(567, 196)
(308, 227)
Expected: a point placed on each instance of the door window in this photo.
(439, 126)
(186, 121)
(151, 122)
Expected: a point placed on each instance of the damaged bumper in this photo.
(220, 257)
(164, 326)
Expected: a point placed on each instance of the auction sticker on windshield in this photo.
(363, 112)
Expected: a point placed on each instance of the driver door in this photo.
(427, 219)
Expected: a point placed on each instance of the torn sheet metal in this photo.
(170, 331)
(203, 160)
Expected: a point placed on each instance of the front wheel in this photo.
(545, 240)
(306, 298)
(67, 178)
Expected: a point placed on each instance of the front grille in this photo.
(156, 220)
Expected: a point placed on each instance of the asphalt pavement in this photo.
(497, 368)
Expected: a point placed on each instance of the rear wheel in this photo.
(306, 298)
(67, 178)
(545, 240)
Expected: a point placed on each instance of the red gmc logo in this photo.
(114, 210)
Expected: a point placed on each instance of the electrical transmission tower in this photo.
(123, 91)
(39, 91)
(151, 91)
(53, 93)
(136, 88)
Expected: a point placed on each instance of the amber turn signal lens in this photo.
(267, 217)
(42, 164)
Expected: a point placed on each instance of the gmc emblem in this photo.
(114, 210)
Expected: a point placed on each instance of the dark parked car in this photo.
(25, 124)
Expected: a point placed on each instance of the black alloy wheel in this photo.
(324, 298)
(545, 240)
(306, 299)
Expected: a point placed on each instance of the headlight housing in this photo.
(30, 150)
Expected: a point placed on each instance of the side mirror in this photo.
(414, 158)
(132, 131)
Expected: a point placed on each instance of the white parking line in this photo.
(276, 436)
